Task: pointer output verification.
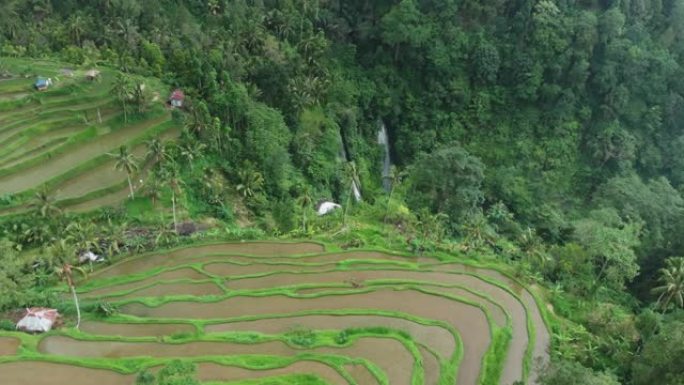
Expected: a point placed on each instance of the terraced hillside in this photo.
(296, 313)
(60, 138)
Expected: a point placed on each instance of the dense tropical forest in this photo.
(547, 135)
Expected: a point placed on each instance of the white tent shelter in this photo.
(327, 207)
(38, 320)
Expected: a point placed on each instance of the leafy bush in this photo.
(302, 337)
(105, 309)
(342, 337)
(7, 325)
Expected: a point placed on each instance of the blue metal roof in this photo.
(40, 82)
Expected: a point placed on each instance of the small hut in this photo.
(176, 98)
(92, 75)
(42, 84)
(38, 320)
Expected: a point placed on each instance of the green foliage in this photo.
(662, 357)
(572, 373)
(610, 242)
(178, 372)
(305, 338)
(456, 196)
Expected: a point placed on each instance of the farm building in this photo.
(42, 84)
(92, 75)
(38, 320)
(176, 99)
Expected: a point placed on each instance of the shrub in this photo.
(302, 337)
(7, 325)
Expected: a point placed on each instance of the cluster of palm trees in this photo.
(165, 169)
(128, 91)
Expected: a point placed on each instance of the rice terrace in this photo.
(300, 311)
(256, 312)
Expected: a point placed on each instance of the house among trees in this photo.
(42, 84)
(92, 75)
(176, 99)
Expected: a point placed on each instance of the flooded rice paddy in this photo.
(418, 318)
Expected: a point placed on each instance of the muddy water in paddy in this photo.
(46, 373)
(430, 366)
(390, 355)
(183, 273)
(147, 262)
(214, 372)
(470, 321)
(518, 346)
(134, 330)
(436, 337)
(361, 374)
(9, 345)
(165, 289)
(543, 338)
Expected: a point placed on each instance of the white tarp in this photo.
(327, 207)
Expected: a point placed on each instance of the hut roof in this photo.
(38, 320)
(177, 95)
(92, 73)
(41, 82)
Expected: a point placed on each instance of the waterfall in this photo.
(343, 154)
(383, 140)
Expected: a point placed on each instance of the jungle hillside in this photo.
(505, 182)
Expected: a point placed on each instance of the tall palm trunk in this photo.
(173, 204)
(78, 307)
(304, 220)
(346, 206)
(389, 201)
(130, 185)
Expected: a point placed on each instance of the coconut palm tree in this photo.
(44, 204)
(125, 161)
(157, 152)
(351, 177)
(672, 283)
(63, 254)
(175, 183)
(395, 178)
(191, 150)
(305, 201)
(251, 182)
(76, 25)
(121, 89)
(83, 236)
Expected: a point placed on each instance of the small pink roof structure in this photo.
(38, 320)
(176, 98)
(177, 95)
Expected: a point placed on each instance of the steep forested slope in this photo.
(548, 132)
